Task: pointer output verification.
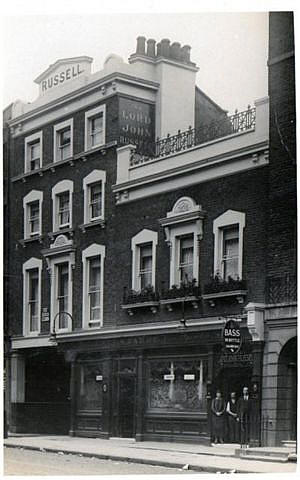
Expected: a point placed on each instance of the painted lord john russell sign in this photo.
(137, 124)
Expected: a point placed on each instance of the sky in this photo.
(230, 49)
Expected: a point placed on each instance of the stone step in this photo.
(247, 452)
(289, 443)
(264, 458)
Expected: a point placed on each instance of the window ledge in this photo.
(130, 307)
(170, 302)
(53, 165)
(211, 297)
(36, 238)
(62, 231)
(100, 222)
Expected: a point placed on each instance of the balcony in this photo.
(238, 123)
(219, 288)
(281, 289)
(188, 292)
(133, 300)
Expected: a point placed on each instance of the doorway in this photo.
(126, 417)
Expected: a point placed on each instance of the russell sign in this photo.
(232, 336)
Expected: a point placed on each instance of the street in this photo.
(27, 462)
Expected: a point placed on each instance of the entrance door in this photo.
(233, 379)
(126, 405)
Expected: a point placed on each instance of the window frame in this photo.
(30, 265)
(57, 148)
(61, 187)
(90, 115)
(29, 141)
(142, 238)
(55, 263)
(176, 235)
(94, 177)
(91, 252)
(230, 218)
(29, 199)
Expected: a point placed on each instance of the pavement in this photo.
(220, 458)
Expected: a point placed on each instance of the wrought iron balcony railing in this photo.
(218, 285)
(281, 289)
(188, 289)
(237, 123)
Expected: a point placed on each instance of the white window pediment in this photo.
(184, 220)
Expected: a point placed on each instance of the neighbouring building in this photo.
(140, 224)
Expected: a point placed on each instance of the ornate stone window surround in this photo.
(185, 218)
(35, 137)
(56, 131)
(33, 196)
(60, 251)
(61, 187)
(144, 236)
(229, 218)
(96, 176)
(32, 263)
(94, 250)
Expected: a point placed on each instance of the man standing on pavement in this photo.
(244, 411)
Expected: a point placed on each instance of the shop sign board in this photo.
(232, 336)
(189, 376)
(169, 376)
(45, 315)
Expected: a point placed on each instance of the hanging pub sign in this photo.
(232, 336)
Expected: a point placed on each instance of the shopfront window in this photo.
(90, 387)
(178, 385)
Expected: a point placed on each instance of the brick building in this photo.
(129, 255)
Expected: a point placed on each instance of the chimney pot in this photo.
(165, 47)
(158, 49)
(186, 52)
(140, 45)
(151, 47)
(175, 51)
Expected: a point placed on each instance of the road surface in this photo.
(19, 461)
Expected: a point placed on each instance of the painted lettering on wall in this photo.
(68, 74)
(136, 124)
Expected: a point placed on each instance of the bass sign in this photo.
(232, 336)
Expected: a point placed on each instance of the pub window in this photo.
(63, 140)
(94, 266)
(145, 270)
(61, 267)
(177, 385)
(90, 387)
(93, 269)
(186, 258)
(94, 196)
(228, 231)
(230, 257)
(62, 205)
(33, 152)
(95, 127)
(32, 204)
(143, 246)
(32, 296)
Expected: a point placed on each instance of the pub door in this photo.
(233, 379)
(126, 401)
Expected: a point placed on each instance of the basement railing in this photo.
(239, 122)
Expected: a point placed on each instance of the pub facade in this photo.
(138, 242)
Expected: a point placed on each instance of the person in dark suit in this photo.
(217, 421)
(232, 417)
(244, 411)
